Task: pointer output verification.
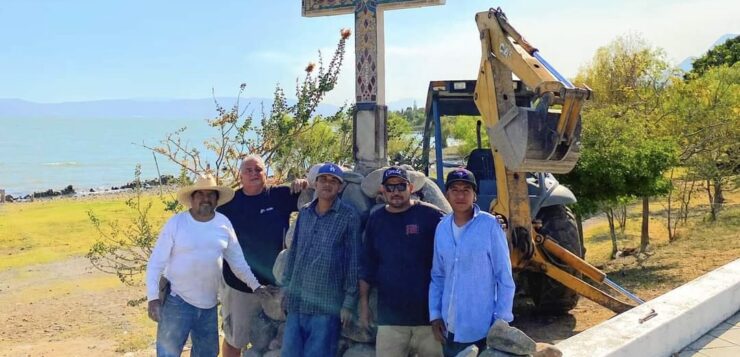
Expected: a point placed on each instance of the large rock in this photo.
(251, 353)
(490, 352)
(360, 350)
(547, 350)
(430, 193)
(261, 332)
(505, 338)
(277, 342)
(271, 300)
(279, 268)
(305, 197)
(470, 351)
(353, 195)
(358, 334)
(272, 353)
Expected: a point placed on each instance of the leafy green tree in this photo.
(705, 117)
(625, 150)
(727, 54)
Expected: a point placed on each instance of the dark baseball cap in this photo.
(461, 175)
(395, 171)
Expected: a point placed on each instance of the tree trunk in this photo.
(670, 211)
(579, 224)
(612, 232)
(712, 211)
(644, 235)
(719, 197)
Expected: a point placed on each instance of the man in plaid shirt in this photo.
(321, 271)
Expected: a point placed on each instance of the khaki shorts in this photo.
(237, 310)
(402, 341)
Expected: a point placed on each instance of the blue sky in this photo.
(74, 50)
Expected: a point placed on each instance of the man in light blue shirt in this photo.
(471, 285)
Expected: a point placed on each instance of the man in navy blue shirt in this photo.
(397, 260)
(260, 215)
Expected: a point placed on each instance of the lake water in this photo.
(39, 154)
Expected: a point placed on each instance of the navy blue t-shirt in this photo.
(260, 223)
(397, 259)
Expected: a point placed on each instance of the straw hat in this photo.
(205, 182)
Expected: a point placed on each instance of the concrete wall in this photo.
(683, 315)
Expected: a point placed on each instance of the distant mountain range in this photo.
(687, 64)
(149, 108)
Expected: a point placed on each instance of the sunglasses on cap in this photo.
(400, 187)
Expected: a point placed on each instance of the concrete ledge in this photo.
(683, 315)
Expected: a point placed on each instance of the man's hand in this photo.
(501, 220)
(154, 310)
(298, 185)
(438, 328)
(365, 320)
(346, 316)
(261, 290)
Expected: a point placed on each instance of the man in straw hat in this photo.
(189, 253)
(321, 270)
(471, 283)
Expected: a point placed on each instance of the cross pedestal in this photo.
(370, 117)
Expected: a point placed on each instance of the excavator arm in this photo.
(544, 138)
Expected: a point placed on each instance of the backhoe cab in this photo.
(534, 127)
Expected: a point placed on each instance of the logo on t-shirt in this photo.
(412, 229)
(268, 209)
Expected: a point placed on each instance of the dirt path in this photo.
(68, 309)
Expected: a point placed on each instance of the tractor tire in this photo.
(549, 296)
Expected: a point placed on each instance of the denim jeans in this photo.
(177, 320)
(311, 335)
(452, 348)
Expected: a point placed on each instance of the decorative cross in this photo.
(370, 117)
(369, 49)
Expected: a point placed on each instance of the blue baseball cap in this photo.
(332, 170)
(395, 171)
(461, 175)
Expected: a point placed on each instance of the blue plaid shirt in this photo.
(323, 261)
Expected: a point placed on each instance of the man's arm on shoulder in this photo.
(504, 280)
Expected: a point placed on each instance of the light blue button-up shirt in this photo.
(477, 268)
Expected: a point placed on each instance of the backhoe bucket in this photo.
(528, 141)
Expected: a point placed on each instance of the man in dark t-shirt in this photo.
(260, 215)
(397, 260)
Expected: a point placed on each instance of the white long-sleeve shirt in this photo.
(190, 253)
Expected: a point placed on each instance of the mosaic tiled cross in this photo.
(369, 60)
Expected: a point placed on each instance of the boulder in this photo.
(279, 268)
(251, 353)
(360, 350)
(352, 194)
(271, 300)
(277, 342)
(547, 350)
(305, 197)
(272, 353)
(431, 193)
(289, 234)
(490, 352)
(261, 332)
(509, 339)
(358, 334)
(470, 351)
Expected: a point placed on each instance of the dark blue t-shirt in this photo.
(260, 223)
(397, 259)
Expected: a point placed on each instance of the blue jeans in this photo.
(311, 335)
(177, 320)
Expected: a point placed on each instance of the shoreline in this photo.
(165, 181)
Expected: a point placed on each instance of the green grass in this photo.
(701, 246)
(52, 230)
